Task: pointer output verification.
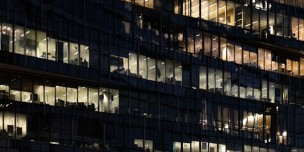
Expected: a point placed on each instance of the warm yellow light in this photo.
(284, 134)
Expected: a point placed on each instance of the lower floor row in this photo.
(136, 145)
(66, 127)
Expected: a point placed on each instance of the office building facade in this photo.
(152, 75)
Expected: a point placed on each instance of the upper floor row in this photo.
(267, 20)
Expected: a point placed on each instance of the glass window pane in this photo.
(71, 97)
(84, 56)
(7, 37)
(205, 9)
(227, 83)
(82, 96)
(142, 61)
(295, 68)
(301, 28)
(203, 78)
(109, 100)
(30, 42)
(207, 44)
(60, 96)
(245, 57)
(213, 10)
(215, 50)
(274, 63)
(65, 52)
(191, 43)
(41, 42)
(253, 59)
(295, 27)
(93, 99)
(219, 81)
(261, 58)
(223, 50)
(4, 86)
(264, 91)
(133, 64)
(267, 60)
(27, 90)
(38, 95)
(222, 12)
(15, 86)
(151, 69)
(61, 52)
(238, 54)
(19, 40)
(169, 71)
(230, 52)
(211, 80)
(49, 93)
(160, 71)
(178, 73)
(234, 85)
(51, 52)
(271, 92)
(74, 53)
(301, 67)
